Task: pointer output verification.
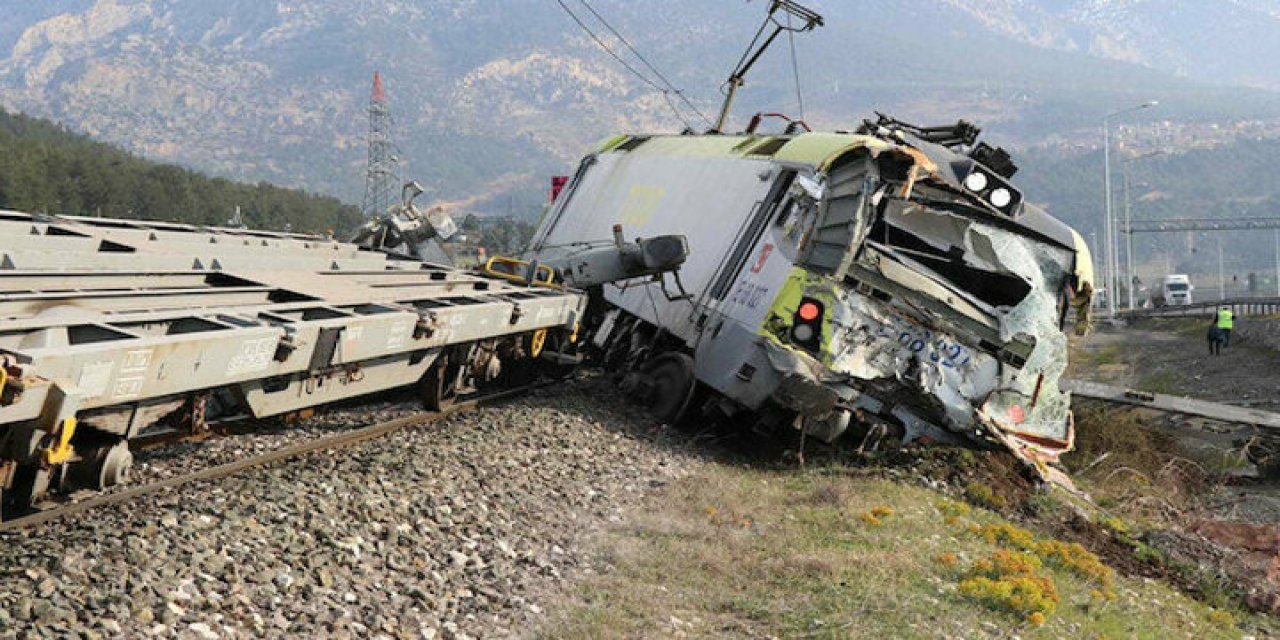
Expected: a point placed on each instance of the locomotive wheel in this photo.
(672, 386)
(439, 386)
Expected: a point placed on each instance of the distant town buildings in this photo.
(1137, 139)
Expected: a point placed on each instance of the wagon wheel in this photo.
(672, 386)
(534, 343)
(439, 385)
(561, 344)
(524, 366)
(115, 464)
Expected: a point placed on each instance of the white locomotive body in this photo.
(881, 279)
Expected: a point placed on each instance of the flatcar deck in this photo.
(108, 326)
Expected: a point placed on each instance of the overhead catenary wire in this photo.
(645, 61)
(737, 68)
(626, 65)
(795, 68)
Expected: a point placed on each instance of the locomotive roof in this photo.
(814, 149)
(817, 149)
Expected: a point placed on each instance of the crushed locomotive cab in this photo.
(889, 278)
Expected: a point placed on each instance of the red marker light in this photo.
(809, 311)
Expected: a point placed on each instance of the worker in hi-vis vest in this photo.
(1226, 320)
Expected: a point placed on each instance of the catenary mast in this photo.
(382, 178)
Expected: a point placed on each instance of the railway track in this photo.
(336, 441)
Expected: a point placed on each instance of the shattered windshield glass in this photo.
(994, 266)
(1020, 279)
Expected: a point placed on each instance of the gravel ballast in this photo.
(447, 530)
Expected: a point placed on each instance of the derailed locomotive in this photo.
(891, 278)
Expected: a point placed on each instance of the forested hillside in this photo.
(44, 167)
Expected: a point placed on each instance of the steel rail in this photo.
(337, 441)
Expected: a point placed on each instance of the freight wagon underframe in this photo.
(130, 343)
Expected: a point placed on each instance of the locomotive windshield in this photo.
(995, 267)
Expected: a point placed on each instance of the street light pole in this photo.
(1106, 190)
(1106, 228)
(1128, 219)
(1128, 239)
(1110, 216)
(1222, 280)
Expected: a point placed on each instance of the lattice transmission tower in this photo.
(382, 178)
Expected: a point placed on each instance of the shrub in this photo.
(984, 496)
(1006, 562)
(1222, 618)
(1117, 525)
(1005, 533)
(952, 508)
(1022, 595)
(1076, 559)
(1070, 556)
(1008, 581)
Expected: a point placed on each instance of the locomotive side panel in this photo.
(711, 200)
(732, 357)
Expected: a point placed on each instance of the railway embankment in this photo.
(570, 513)
(835, 551)
(448, 530)
(1258, 332)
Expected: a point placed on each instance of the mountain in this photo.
(1221, 41)
(491, 97)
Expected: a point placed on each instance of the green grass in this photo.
(1188, 327)
(1110, 354)
(735, 552)
(1161, 382)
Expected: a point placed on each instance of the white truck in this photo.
(1175, 290)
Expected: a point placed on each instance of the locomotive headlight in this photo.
(1001, 197)
(976, 182)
